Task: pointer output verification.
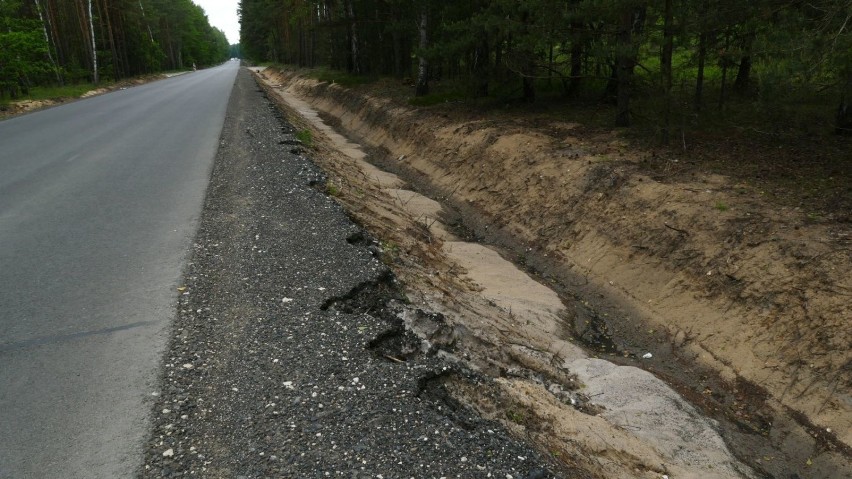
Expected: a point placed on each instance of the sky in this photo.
(223, 15)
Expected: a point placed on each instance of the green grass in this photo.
(814, 217)
(515, 416)
(340, 77)
(53, 93)
(332, 190)
(390, 252)
(306, 137)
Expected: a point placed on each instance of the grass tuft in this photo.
(332, 190)
(306, 137)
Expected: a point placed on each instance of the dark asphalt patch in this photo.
(285, 359)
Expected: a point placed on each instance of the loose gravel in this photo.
(272, 368)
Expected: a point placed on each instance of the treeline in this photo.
(677, 55)
(69, 41)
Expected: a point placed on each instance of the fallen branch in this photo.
(683, 232)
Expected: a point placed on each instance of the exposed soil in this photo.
(743, 303)
(279, 362)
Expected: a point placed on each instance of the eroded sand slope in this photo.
(750, 290)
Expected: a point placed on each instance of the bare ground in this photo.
(743, 303)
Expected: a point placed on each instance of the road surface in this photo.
(99, 202)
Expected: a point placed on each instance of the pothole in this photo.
(371, 297)
(397, 345)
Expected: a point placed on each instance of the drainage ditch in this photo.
(513, 366)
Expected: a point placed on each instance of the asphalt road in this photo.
(99, 202)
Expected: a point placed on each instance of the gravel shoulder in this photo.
(540, 394)
(284, 359)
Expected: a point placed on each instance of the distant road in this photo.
(99, 202)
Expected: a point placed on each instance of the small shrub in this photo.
(517, 417)
(390, 252)
(332, 190)
(306, 137)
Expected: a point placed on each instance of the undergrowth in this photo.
(52, 93)
(782, 149)
(340, 77)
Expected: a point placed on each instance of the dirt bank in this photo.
(742, 304)
(270, 370)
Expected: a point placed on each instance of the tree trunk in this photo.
(148, 25)
(743, 80)
(624, 68)
(666, 69)
(529, 89)
(528, 70)
(353, 39)
(95, 78)
(60, 42)
(699, 79)
(576, 61)
(481, 66)
(313, 62)
(303, 47)
(117, 69)
(81, 17)
(397, 54)
(132, 66)
(49, 43)
(630, 22)
(498, 60)
(24, 83)
(173, 60)
(724, 87)
(550, 63)
(843, 119)
(422, 87)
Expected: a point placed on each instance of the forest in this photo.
(65, 42)
(682, 59)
